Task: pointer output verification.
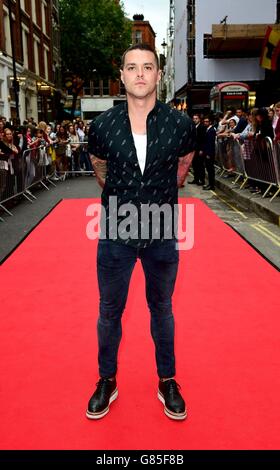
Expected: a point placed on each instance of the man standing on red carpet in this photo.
(134, 149)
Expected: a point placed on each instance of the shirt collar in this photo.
(153, 112)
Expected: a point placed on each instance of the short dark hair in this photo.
(141, 47)
(209, 117)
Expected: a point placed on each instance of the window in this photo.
(46, 62)
(122, 88)
(1, 82)
(7, 34)
(22, 4)
(25, 40)
(105, 87)
(44, 18)
(96, 87)
(36, 55)
(36, 13)
(138, 36)
(47, 20)
(28, 8)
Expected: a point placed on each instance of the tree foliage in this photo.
(94, 34)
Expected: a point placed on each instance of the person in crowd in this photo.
(5, 153)
(225, 142)
(271, 114)
(242, 121)
(264, 124)
(38, 155)
(246, 139)
(230, 112)
(81, 131)
(198, 160)
(74, 154)
(209, 152)
(20, 140)
(276, 122)
(220, 128)
(84, 156)
(46, 135)
(29, 135)
(60, 150)
(250, 130)
(11, 156)
(2, 126)
(53, 134)
(139, 143)
(32, 122)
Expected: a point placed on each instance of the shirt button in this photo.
(135, 164)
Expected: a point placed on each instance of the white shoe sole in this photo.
(104, 412)
(170, 414)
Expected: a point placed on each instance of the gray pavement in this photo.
(255, 219)
(27, 215)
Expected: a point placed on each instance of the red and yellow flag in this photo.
(271, 49)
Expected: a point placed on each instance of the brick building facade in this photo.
(101, 95)
(35, 31)
(142, 31)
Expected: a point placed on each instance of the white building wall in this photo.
(180, 43)
(6, 74)
(96, 104)
(169, 72)
(238, 12)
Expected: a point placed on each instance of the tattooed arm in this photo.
(100, 169)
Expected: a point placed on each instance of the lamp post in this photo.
(163, 89)
(164, 45)
(15, 80)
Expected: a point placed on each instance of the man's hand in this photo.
(100, 169)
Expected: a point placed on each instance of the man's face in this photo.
(196, 119)
(239, 113)
(140, 74)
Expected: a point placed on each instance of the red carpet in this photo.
(226, 307)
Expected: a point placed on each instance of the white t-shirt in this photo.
(140, 142)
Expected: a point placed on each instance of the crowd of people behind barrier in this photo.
(31, 152)
(240, 143)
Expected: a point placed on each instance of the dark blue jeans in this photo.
(115, 263)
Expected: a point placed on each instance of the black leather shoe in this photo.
(169, 395)
(207, 187)
(105, 393)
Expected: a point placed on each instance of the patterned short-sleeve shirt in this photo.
(170, 135)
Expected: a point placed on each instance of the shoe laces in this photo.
(102, 383)
(173, 386)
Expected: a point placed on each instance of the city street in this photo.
(113, 305)
(263, 235)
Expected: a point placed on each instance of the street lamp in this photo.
(15, 80)
(164, 45)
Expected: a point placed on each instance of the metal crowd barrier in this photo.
(276, 149)
(262, 165)
(43, 165)
(72, 159)
(19, 173)
(257, 159)
(228, 157)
